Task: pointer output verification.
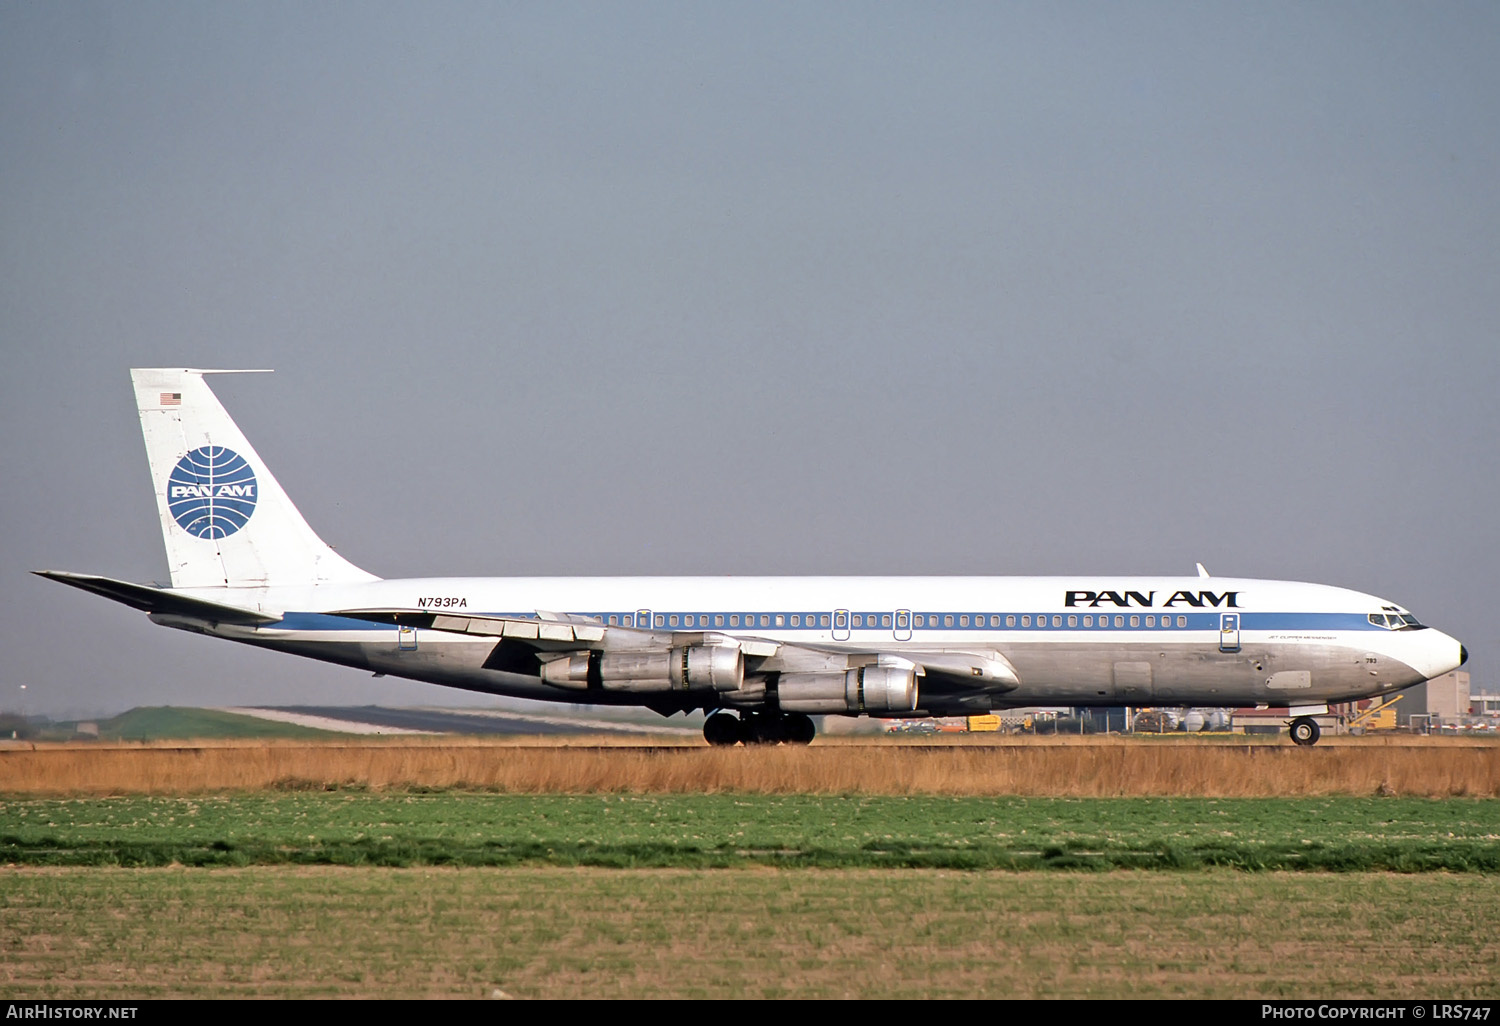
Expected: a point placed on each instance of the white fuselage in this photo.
(1071, 640)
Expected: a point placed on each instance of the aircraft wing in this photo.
(534, 644)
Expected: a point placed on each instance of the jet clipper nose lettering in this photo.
(211, 492)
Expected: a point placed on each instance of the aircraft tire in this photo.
(800, 729)
(721, 729)
(764, 730)
(1304, 731)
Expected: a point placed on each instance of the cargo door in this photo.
(1133, 683)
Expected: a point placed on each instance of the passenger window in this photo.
(963, 621)
(765, 621)
(947, 619)
(660, 619)
(1072, 620)
(796, 620)
(826, 621)
(1026, 620)
(734, 619)
(780, 620)
(1182, 621)
(1119, 621)
(1150, 621)
(1010, 620)
(1135, 621)
(1088, 621)
(1057, 621)
(672, 620)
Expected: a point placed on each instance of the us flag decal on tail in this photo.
(171, 398)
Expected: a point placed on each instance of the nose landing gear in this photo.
(1304, 731)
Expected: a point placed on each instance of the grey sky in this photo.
(764, 288)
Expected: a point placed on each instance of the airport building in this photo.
(1441, 700)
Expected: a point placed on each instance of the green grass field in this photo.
(158, 723)
(411, 893)
(405, 828)
(178, 723)
(563, 933)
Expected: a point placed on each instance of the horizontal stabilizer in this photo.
(157, 600)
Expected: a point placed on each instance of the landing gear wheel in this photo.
(721, 729)
(1305, 730)
(800, 729)
(762, 730)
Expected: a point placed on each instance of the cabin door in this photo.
(1229, 632)
(841, 625)
(903, 625)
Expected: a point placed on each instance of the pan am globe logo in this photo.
(211, 492)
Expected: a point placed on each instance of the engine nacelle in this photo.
(720, 667)
(864, 689)
(750, 695)
(693, 668)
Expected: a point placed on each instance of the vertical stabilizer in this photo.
(225, 519)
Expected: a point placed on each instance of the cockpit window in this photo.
(1395, 621)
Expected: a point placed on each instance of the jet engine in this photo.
(692, 668)
(863, 689)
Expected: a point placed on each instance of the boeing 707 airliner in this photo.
(759, 655)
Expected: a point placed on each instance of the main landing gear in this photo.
(1304, 730)
(758, 728)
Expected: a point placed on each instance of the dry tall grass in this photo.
(1097, 769)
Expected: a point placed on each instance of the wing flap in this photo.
(558, 632)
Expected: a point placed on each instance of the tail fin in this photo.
(225, 520)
